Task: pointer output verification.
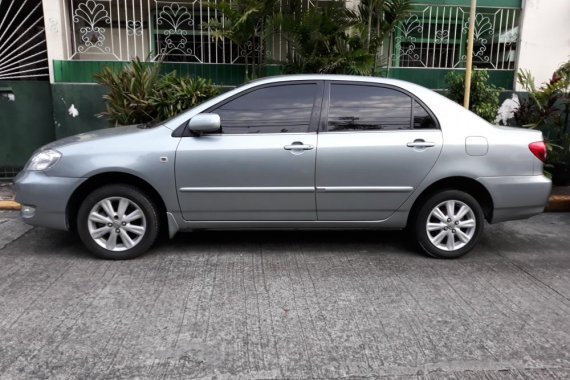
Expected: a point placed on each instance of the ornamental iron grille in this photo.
(177, 31)
(174, 31)
(23, 49)
(436, 37)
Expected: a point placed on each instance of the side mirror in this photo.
(205, 123)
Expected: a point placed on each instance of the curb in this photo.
(556, 203)
(10, 205)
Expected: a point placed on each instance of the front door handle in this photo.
(419, 143)
(297, 145)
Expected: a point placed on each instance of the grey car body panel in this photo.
(246, 177)
(148, 154)
(49, 195)
(506, 167)
(364, 163)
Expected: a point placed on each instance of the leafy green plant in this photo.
(334, 39)
(547, 108)
(140, 94)
(377, 19)
(322, 41)
(175, 94)
(245, 23)
(128, 100)
(484, 98)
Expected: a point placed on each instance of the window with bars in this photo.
(172, 31)
(436, 37)
(23, 50)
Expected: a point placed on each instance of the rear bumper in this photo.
(517, 197)
(46, 196)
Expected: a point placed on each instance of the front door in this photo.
(262, 166)
(379, 143)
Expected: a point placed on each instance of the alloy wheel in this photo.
(116, 224)
(451, 225)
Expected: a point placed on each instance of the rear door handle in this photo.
(420, 144)
(298, 146)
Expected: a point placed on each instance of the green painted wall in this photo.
(435, 78)
(233, 75)
(86, 98)
(26, 123)
(222, 74)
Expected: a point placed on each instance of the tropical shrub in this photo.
(326, 39)
(247, 24)
(484, 98)
(175, 94)
(377, 19)
(140, 94)
(547, 108)
(322, 43)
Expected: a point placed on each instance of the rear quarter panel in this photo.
(507, 153)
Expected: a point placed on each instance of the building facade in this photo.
(50, 50)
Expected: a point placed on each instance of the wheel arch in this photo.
(468, 185)
(107, 178)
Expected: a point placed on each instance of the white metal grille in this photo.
(433, 36)
(436, 37)
(149, 29)
(23, 51)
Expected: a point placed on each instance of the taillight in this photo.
(538, 149)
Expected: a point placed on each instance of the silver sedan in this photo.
(303, 151)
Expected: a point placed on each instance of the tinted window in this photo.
(277, 109)
(359, 107)
(422, 119)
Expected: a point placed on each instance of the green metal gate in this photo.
(26, 120)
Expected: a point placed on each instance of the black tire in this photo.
(134, 198)
(424, 216)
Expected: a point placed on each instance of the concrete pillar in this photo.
(545, 38)
(55, 28)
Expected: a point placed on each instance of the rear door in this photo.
(376, 145)
(262, 166)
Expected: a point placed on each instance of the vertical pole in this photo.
(469, 66)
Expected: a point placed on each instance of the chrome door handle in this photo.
(420, 144)
(298, 146)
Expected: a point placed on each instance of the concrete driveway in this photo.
(287, 305)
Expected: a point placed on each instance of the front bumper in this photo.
(44, 198)
(517, 197)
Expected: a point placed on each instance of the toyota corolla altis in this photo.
(303, 151)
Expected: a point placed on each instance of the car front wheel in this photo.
(117, 222)
(449, 224)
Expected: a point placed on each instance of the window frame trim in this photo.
(323, 122)
(315, 112)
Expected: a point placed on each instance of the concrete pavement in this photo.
(315, 304)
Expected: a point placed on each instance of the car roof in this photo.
(335, 77)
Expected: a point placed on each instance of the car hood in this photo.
(95, 135)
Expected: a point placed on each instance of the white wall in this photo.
(545, 37)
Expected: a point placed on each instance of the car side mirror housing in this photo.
(205, 123)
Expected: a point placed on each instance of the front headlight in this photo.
(44, 160)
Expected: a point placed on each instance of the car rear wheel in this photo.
(117, 222)
(449, 224)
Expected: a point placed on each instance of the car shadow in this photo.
(43, 241)
(308, 241)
